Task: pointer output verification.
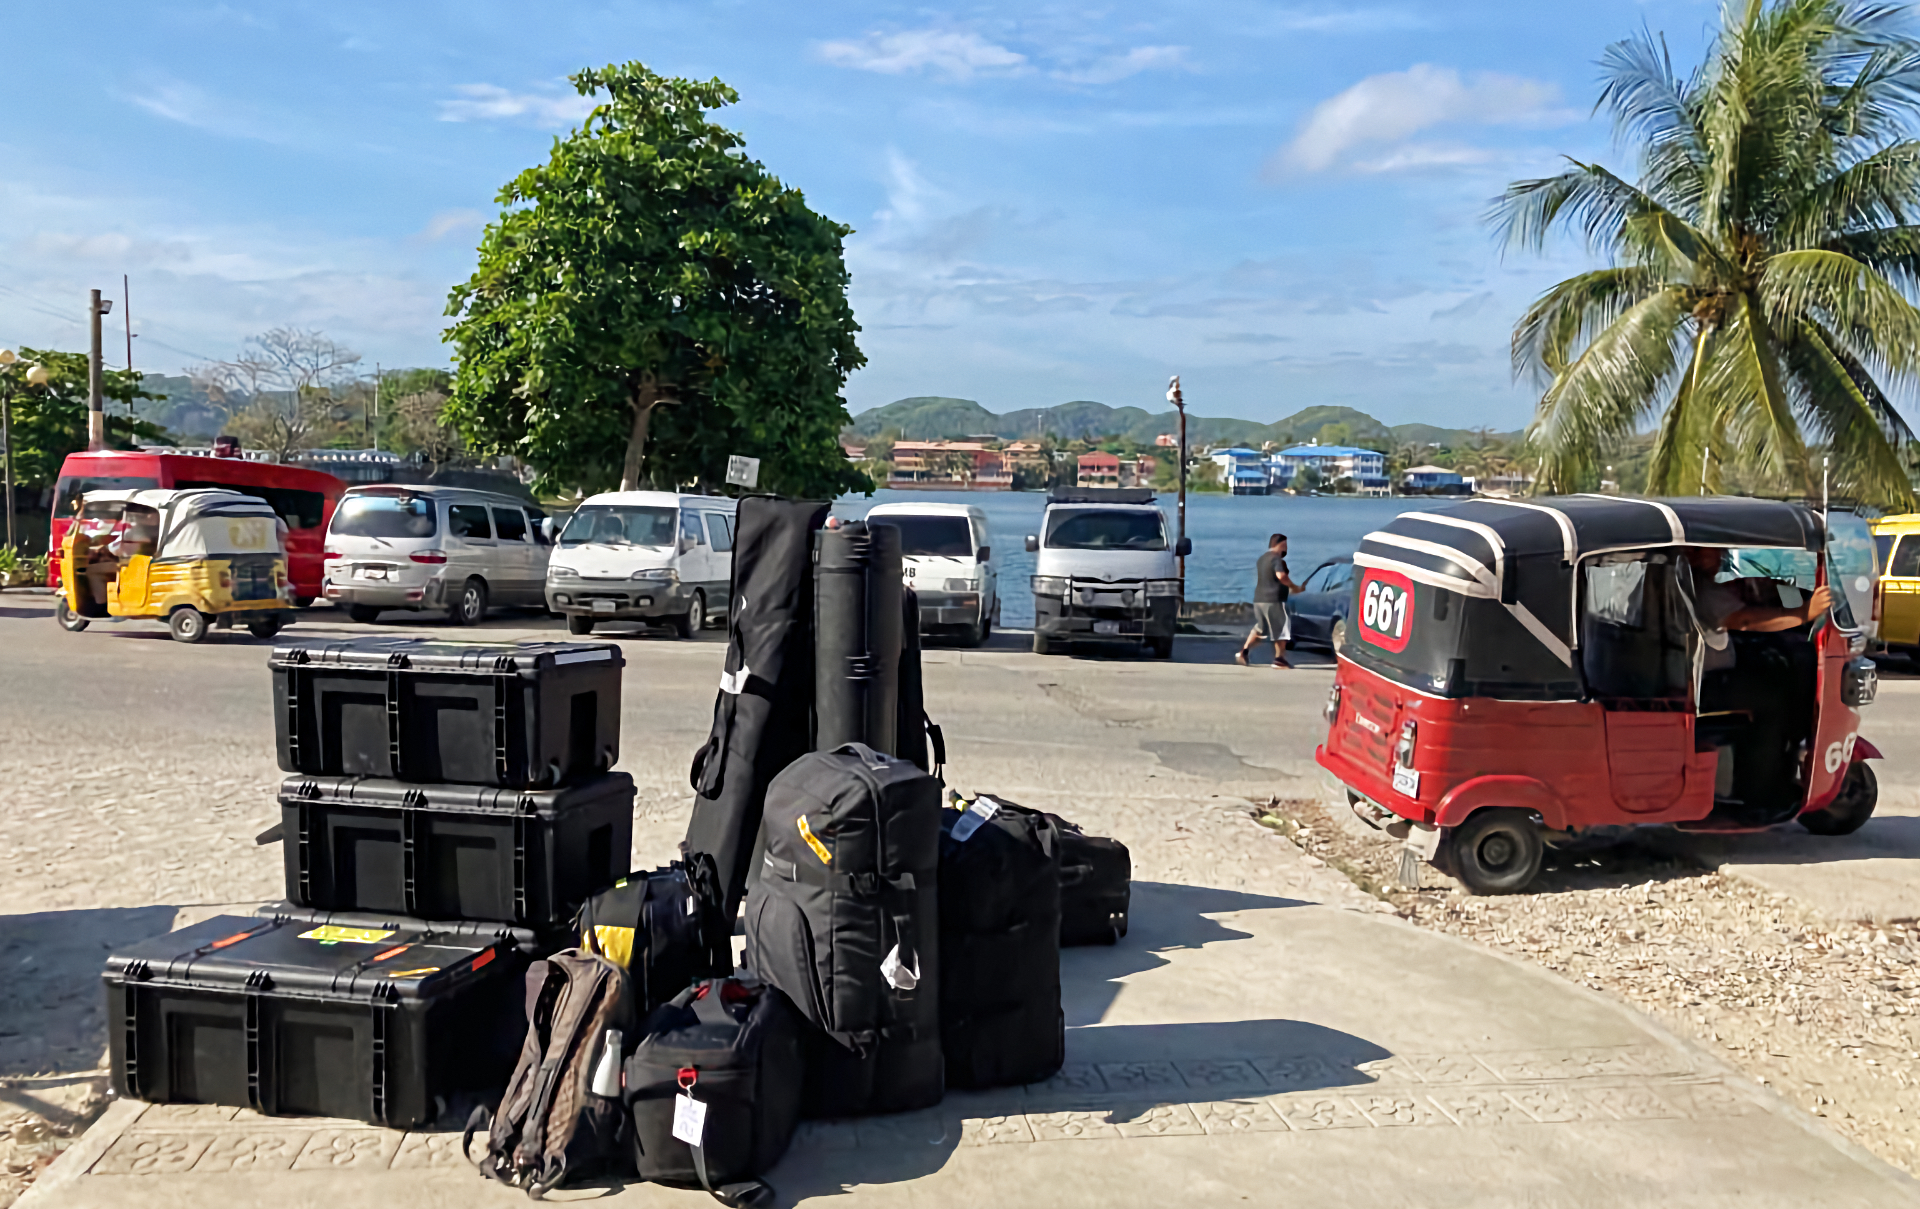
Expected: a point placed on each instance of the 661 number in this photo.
(1386, 609)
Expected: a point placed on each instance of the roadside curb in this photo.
(77, 1158)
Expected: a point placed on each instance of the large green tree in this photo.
(1758, 300)
(651, 300)
(49, 422)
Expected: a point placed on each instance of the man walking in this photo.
(1271, 583)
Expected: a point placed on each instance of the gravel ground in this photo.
(1823, 1011)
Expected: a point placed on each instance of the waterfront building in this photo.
(1433, 480)
(1099, 469)
(1241, 469)
(1366, 469)
(949, 466)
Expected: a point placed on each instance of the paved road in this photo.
(1260, 1025)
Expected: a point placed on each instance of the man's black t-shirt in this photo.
(1266, 588)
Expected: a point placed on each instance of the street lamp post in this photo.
(96, 398)
(36, 376)
(1180, 405)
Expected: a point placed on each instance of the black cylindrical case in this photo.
(857, 636)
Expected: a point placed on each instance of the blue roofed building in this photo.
(1243, 470)
(1433, 480)
(1365, 469)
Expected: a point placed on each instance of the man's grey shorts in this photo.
(1270, 621)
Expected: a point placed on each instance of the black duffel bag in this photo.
(1000, 1018)
(1096, 886)
(715, 1088)
(845, 920)
(666, 929)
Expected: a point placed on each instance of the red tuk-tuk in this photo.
(1521, 674)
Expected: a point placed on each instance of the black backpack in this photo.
(552, 1123)
(845, 920)
(1096, 886)
(733, 1046)
(1000, 1018)
(665, 929)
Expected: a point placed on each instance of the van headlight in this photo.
(664, 575)
(1163, 587)
(1049, 585)
(555, 571)
(959, 585)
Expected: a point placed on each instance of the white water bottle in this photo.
(606, 1072)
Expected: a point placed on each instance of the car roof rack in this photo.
(1101, 495)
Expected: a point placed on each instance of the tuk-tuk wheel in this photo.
(188, 624)
(267, 627)
(68, 619)
(1496, 851)
(1853, 806)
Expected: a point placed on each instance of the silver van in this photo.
(452, 548)
(644, 556)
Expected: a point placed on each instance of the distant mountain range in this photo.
(929, 418)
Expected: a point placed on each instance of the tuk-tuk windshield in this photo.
(1850, 570)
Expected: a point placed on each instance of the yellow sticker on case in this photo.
(423, 970)
(813, 842)
(358, 936)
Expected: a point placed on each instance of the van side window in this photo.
(535, 520)
(690, 527)
(1905, 563)
(720, 531)
(510, 524)
(469, 521)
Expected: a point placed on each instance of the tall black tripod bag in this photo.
(763, 717)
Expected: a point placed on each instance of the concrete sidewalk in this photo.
(1235, 1047)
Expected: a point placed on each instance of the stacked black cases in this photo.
(523, 857)
(326, 1021)
(517, 717)
(763, 715)
(845, 920)
(1000, 1019)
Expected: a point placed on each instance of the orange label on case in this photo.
(419, 973)
(393, 952)
(483, 959)
(813, 842)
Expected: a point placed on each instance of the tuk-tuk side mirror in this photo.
(983, 554)
(1033, 544)
(1183, 547)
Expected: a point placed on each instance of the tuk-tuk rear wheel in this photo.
(68, 619)
(267, 627)
(1496, 851)
(188, 624)
(1851, 808)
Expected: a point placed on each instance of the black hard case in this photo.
(539, 715)
(245, 1011)
(525, 857)
(535, 943)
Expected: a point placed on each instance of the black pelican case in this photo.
(525, 857)
(534, 942)
(291, 1019)
(537, 715)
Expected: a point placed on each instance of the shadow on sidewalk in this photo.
(52, 1011)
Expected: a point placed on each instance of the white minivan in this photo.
(422, 547)
(946, 561)
(644, 556)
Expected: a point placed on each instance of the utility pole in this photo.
(1180, 405)
(96, 399)
(126, 317)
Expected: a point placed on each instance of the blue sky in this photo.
(1280, 202)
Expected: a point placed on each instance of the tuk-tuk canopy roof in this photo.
(204, 522)
(1522, 553)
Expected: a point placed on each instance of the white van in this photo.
(1106, 571)
(644, 556)
(398, 547)
(946, 555)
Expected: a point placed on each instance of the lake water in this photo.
(1229, 532)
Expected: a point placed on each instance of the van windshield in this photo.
(621, 525)
(1104, 529)
(384, 516)
(931, 536)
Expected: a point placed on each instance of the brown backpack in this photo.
(551, 1125)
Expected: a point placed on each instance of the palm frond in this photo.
(1851, 297)
(1611, 213)
(1561, 320)
(1877, 190)
(1609, 390)
(1849, 421)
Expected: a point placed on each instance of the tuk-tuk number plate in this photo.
(1106, 627)
(1407, 781)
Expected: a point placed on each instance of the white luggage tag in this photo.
(898, 976)
(689, 1119)
(735, 682)
(983, 809)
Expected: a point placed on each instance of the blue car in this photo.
(1319, 610)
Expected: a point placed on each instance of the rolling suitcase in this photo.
(1000, 1019)
(371, 1024)
(1096, 880)
(733, 1048)
(846, 920)
(664, 928)
(524, 857)
(538, 715)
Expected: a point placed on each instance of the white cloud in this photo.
(1391, 107)
(191, 105)
(1135, 61)
(1345, 20)
(447, 222)
(490, 102)
(954, 53)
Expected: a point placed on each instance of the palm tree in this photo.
(1758, 298)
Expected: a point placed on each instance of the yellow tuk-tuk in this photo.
(193, 558)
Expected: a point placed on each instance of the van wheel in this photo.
(364, 614)
(303, 602)
(188, 624)
(690, 622)
(1162, 646)
(1848, 812)
(1337, 636)
(1496, 851)
(1042, 645)
(470, 607)
(267, 627)
(976, 634)
(579, 623)
(69, 620)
